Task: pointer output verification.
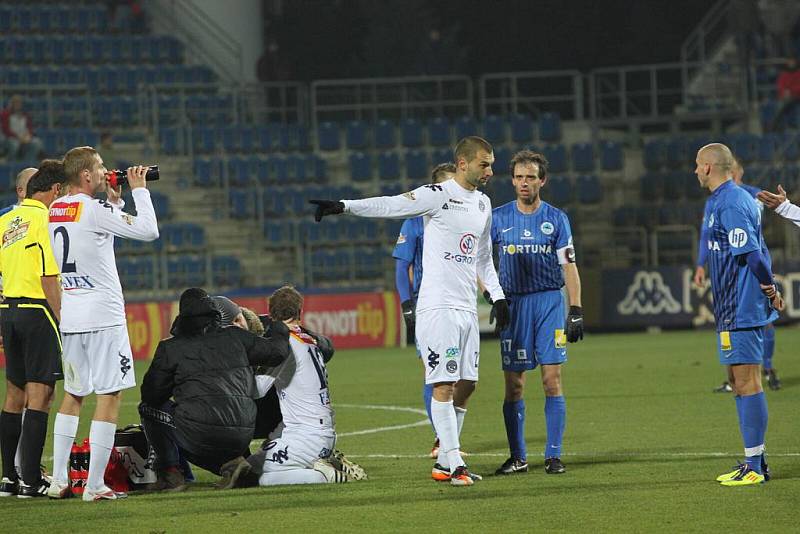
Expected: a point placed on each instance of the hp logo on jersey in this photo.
(468, 243)
(737, 238)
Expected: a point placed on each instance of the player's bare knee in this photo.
(443, 391)
(39, 395)
(515, 386)
(15, 398)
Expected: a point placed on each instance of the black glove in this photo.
(574, 324)
(410, 317)
(487, 296)
(500, 315)
(327, 207)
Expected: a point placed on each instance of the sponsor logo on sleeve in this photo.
(401, 239)
(66, 212)
(737, 238)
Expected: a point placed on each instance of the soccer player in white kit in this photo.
(458, 249)
(96, 351)
(300, 455)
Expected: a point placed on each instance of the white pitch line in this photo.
(644, 455)
(383, 428)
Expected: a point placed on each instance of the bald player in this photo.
(745, 301)
(21, 185)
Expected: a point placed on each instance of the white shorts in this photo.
(449, 344)
(297, 450)
(97, 362)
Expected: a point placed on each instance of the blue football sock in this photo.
(427, 395)
(754, 428)
(555, 416)
(514, 416)
(769, 346)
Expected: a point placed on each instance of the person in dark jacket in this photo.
(197, 395)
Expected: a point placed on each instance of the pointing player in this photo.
(700, 279)
(408, 276)
(534, 242)
(745, 300)
(458, 248)
(97, 353)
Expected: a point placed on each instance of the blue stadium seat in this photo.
(678, 152)
(226, 271)
(611, 156)
(439, 132)
(790, 146)
(278, 169)
(411, 133)
(368, 262)
(589, 189)
(279, 232)
(521, 129)
(161, 205)
(231, 139)
(385, 134)
(502, 160)
(466, 126)
(556, 157)
(494, 129)
(360, 166)
(550, 127)
(652, 186)
(328, 136)
(239, 171)
(745, 146)
(357, 135)
(204, 139)
(241, 206)
(440, 155)
(417, 167)
(583, 157)
(388, 166)
(674, 185)
(655, 155)
(206, 172)
(558, 191)
(767, 146)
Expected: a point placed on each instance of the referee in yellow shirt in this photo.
(29, 323)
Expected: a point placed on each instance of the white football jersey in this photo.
(457, 241)
(82, 231)
(302, 385)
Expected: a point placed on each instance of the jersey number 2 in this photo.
(66, 266)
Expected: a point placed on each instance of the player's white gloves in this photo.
(574, 324)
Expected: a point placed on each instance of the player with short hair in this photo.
(745, 300)
(408, 277)
(21, 184)
(458, 250)
(301, 454)
(29, 325)
(537, 259)
(97, 353)
(737, 172)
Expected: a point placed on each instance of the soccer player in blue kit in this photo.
(537, 259)
(745, 301)
(408, 277)
(700, 279)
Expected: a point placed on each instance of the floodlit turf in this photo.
(645, 439)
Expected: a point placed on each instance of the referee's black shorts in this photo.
(31, 341)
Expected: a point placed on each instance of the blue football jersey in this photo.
(733, 228)
(531, 248)
(409, 248)
(702, 252)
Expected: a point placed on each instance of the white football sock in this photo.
(18, 454)
(460, 414)
(295, 476)
(64, 430)
(444, 420)
(101, 441)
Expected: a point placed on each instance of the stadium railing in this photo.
(532, 93)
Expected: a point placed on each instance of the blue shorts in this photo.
(745, 346)
(536, 335)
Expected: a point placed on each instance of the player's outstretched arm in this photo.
(424, 200)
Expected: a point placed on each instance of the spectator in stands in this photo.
(788, 91)
(197, 395)
(18, 132)
(271, 65)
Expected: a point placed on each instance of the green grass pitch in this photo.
(645, 439)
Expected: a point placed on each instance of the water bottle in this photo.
(117, 177)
